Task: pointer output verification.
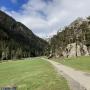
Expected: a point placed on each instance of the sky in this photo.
(46, 17)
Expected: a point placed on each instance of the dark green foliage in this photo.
(17, 41)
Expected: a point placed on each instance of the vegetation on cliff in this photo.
(77, 32)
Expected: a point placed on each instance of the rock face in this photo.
(73, 50)
(64, 42)
(17, 41)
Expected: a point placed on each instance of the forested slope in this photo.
(77, 32)
(17, 41)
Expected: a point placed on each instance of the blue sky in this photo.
(46, 17)
(12, 4)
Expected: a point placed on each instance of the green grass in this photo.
(34, 74)
(80, 63)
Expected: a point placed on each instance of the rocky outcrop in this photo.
(73, 50)
(64, 43)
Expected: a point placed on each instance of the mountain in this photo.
(77, 32)
(18, 41)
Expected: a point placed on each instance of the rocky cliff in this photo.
(77, 32)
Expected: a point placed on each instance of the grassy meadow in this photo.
(79, 63)
(31, 74)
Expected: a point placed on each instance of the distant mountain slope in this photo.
(17, 41)
(77, 32)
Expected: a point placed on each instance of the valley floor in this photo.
(77, 80)
(31, 74)
(79, 63)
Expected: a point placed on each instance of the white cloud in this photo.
(46, 18)
(3, 8)
(14, 1)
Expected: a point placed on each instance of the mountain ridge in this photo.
(77, 32)
(16, 37)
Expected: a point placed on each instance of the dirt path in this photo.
(77, 80)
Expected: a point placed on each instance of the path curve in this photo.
(78, 80)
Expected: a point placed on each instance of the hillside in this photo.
(78, 32)
(17, 41)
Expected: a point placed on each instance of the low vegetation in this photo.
(80, 63)
(31, 74)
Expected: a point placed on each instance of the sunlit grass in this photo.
(31, 74)
(80, 63)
